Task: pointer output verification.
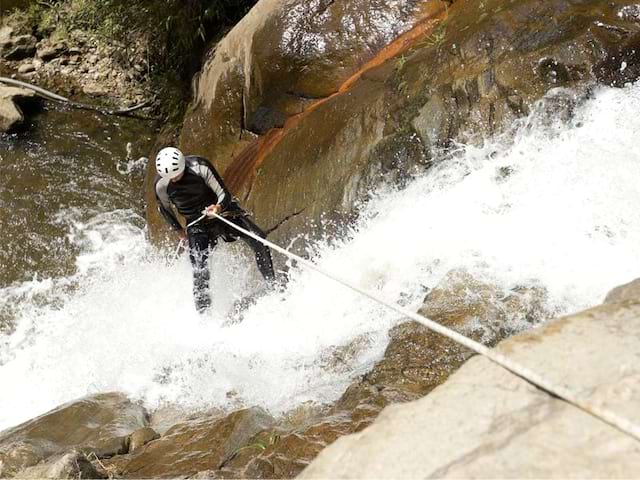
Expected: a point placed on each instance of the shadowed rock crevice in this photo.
(282, 222)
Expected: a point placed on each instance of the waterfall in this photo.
(554, 203)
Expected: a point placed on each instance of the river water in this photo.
(94, 308)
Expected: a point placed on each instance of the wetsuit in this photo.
(199, 187)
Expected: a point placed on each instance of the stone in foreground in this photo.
(100, 424)
(193, 446)
(485, 422)
(68, 466)
(11, 114)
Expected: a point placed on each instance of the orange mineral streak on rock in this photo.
(241, 173)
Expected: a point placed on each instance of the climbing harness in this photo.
(560, 391)
(230, 214)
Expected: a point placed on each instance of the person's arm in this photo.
(164, 205)
(209, 174)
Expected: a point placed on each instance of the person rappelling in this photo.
(196, 190)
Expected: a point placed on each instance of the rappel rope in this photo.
(560, 391)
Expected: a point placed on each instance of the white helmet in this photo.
(170, 162)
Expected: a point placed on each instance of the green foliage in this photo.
(170, 35)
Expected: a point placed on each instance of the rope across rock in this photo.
(562, 392)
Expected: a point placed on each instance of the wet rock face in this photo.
(193, 446)
(277, 61)
(71, 465)
(280, 57)
(470, 77)
(99, 424)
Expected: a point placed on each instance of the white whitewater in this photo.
(556, 205)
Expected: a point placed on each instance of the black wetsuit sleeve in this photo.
(164, 205)
(213, 180)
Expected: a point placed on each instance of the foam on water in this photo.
(556, 205)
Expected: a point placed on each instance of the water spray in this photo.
(562, 392)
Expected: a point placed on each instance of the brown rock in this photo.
(625, 293)
(72, 465)
(283, 54)
(11, 100)
(283, 454)
(26, 68)
(193, 446)
(100, 424)
(141, 437)
(482, 310)
(275, 63)
(47, 53)
(487, 65)
(94, 89)
(16, 47)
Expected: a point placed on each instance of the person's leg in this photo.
(262, 252)
(199, 256)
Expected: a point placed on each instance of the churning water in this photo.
(552, 204)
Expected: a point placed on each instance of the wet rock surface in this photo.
(280, 57)
(140, 438)
(71, 465)
(278, 61)
(99, 424)
(486, 422)
(193, 446)
(471, 76)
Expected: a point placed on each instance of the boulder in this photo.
(49, 52)
(470, 76)
(141, 437)
(11, 98)
(14, 46)
(283, 452)
(72, 465)
(193, 446)
(485, 422)
(414, 363)
(629, 292)
(280, 58)
(26, 68)
(487, 64)
(100, 424)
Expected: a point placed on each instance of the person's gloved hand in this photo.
(213, 209)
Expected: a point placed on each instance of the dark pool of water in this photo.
(66, 165)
